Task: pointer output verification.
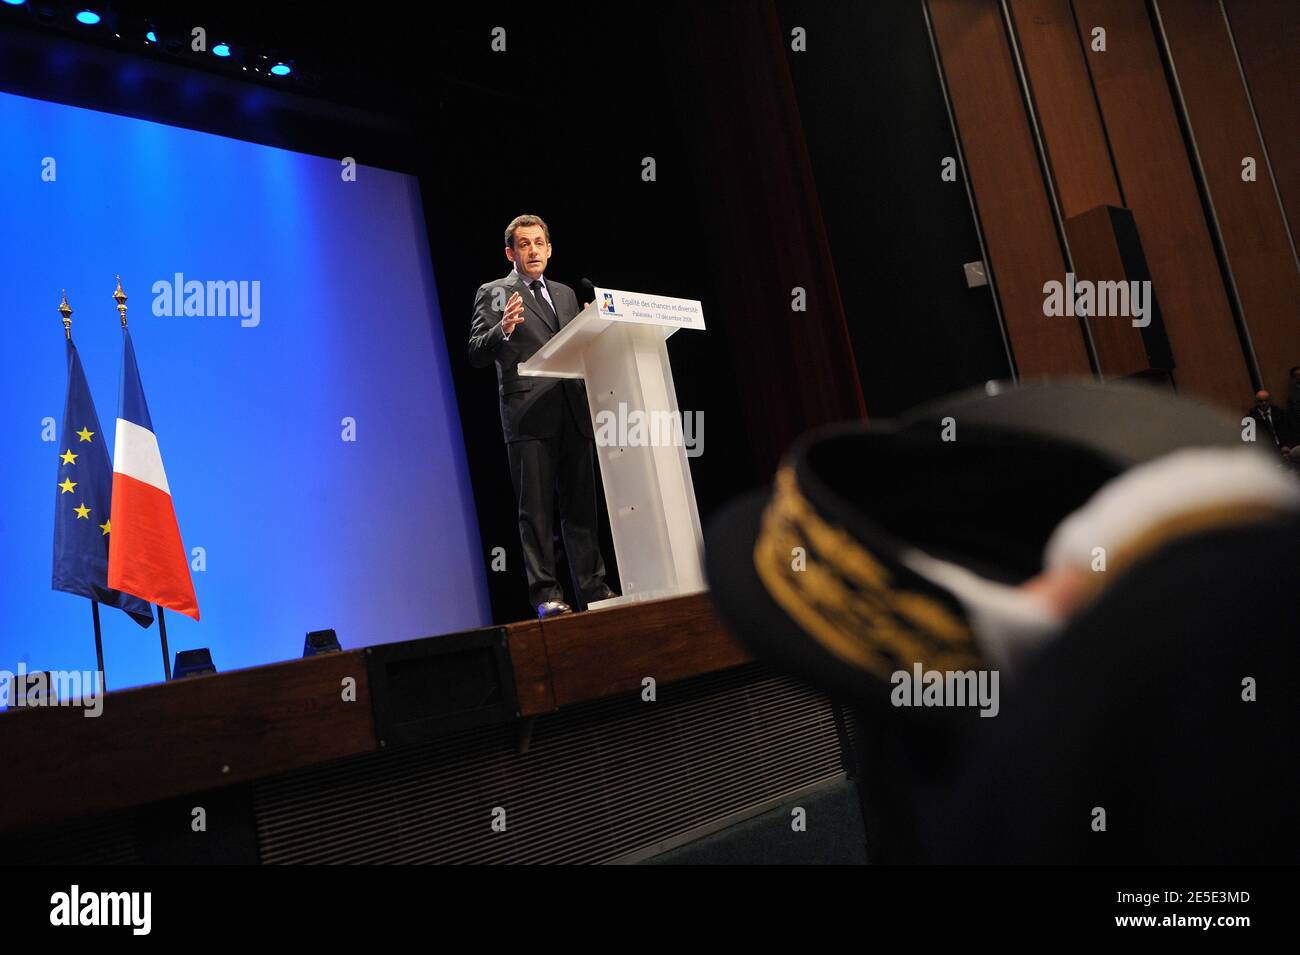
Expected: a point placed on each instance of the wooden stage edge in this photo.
(168, 739)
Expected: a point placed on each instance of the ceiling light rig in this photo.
(104, 24)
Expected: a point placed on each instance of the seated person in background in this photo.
(1270, 420)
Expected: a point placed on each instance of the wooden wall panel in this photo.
(1098, 257)
(1067, 111)
(1251, 226)
(1267, 33)
(1155, 174)
(1002, 163)
(1075, 142)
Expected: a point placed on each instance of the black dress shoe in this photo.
(552, 608)
(606, 594)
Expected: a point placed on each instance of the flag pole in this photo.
(162, 632)
(99, 647)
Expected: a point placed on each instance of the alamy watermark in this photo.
(923, 687)
(209, 299)
(75, 907)
(42, 688)
(1073, 298)
(635, 428)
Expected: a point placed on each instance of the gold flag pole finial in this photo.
(120, 297)
(66, 311)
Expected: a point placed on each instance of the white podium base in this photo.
(620, 351)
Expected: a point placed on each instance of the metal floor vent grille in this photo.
(599, 782)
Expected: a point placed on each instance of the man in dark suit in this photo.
(1270, 420)
(545, 421)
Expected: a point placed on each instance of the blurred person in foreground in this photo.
(1063, 611)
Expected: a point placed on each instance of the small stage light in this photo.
(15, 3)
(151, 37)
(321, 641)
(281, 69)
(193, 663)
(88, 17)
(221, 49)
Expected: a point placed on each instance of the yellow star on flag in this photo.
(82, 511)
(67, 485)
(68, 457)
(106, 527)
(83, 434)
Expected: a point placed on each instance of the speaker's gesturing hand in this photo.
(514, 314)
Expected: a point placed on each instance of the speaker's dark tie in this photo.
(536, 286)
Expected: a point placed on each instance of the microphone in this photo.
(590, 287)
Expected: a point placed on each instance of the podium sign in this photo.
(618, 345)
(643, 309)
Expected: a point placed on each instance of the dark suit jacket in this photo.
(530, 407)
(1293, 414)
(1278, 433)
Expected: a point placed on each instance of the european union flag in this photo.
(82, 503)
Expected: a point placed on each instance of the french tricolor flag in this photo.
(145, 554)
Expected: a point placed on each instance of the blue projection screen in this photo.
(311, 440)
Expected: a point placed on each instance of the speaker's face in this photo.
(531, 251)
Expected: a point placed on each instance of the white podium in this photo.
(617, 344)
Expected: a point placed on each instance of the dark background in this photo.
(877, 131)
(558, 126)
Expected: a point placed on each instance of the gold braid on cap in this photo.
(845, 599)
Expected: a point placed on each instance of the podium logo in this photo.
(608, 305)
(650, 429)
(209, 299)
(23, 690)
(946, 688)
(103, 908)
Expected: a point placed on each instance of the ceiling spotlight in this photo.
(221, 49)
(281, 69)
(151, 37)
(88, 17)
